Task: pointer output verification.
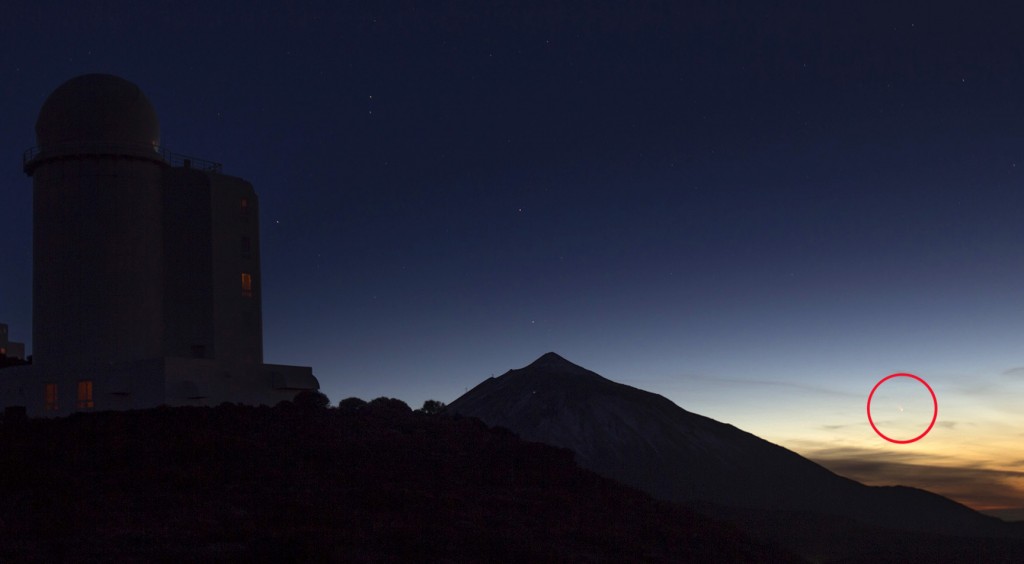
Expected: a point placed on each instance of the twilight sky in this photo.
(757, 210)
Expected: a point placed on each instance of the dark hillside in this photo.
(288, 483)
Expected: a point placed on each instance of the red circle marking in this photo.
(935, 402)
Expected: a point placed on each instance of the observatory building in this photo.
(146, 267)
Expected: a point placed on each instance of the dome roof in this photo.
(98, 110)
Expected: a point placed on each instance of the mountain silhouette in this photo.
(644, 440)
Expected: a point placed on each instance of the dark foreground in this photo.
(312, 484)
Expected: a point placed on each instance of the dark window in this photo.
(246, 247)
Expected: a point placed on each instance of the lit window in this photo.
(246, 247)
(245, 208)
(50, 396)
(247, 284)
(85, 394)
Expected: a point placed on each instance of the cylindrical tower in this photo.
(97, 235)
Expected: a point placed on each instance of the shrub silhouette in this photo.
(384, 405)
(311, 399)
(432, 407)
(351, 405)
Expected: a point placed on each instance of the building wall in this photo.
(98, 259)
(208, 313)
(150, 383)
(210, 382)
(188, 265)
(16, 386)
(139, 298)
(15, 350)
(238, 314)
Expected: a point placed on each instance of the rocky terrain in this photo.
(375, 482)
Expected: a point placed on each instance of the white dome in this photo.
(97, 110)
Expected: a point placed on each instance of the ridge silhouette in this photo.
(644, 440)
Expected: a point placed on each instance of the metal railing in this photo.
(33, 154)
(177, 159)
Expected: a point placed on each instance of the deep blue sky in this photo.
(709, 203)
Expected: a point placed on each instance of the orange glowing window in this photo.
(50, 397)
(85, 394)
(247, 284)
